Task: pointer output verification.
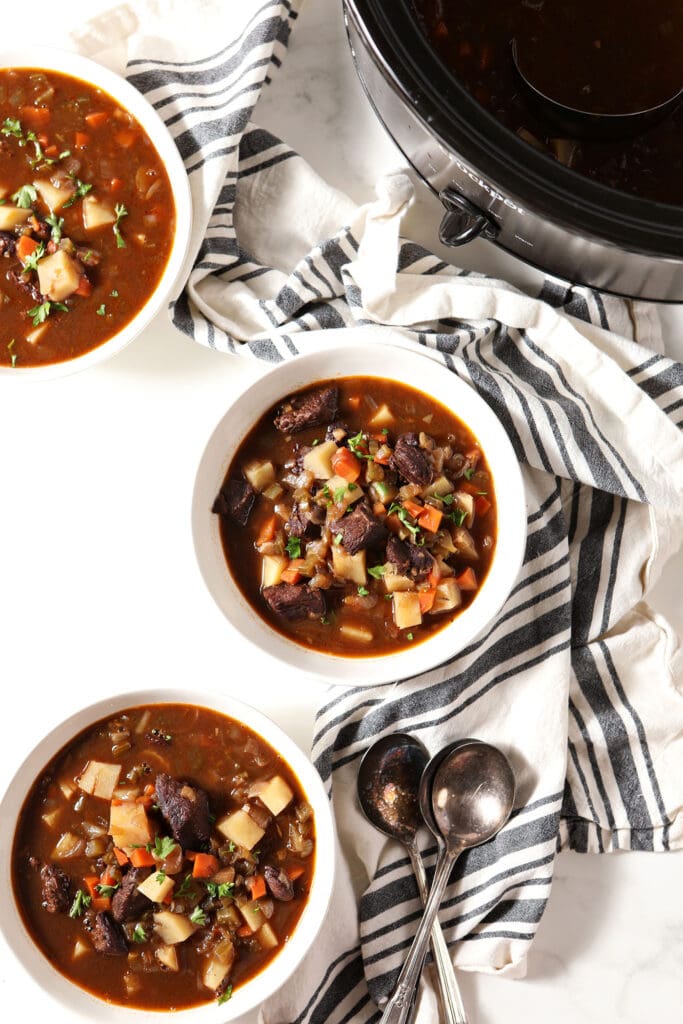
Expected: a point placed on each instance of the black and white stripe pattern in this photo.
(563, 679)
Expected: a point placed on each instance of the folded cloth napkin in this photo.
(578, 680)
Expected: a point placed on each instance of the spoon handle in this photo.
(398, 1007)
(453, 1008)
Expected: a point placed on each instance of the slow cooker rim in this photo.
(548, 187)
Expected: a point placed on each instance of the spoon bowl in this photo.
(427, 784)
(472, 795)
(388, 783)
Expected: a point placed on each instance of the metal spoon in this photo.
(472, 797)
(589, 124)
(389, 779)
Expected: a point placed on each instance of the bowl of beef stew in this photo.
(359, 513)
(95, 213)
(172, 851)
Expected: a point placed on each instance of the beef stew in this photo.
(163, 857)
(358, 516)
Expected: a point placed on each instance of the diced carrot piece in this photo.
(90, 882)
(378, 509)
(101, 903)
(383, 460)
(481, 505)
(190, 854)
(141, 858)
(257, 886)
(36, 117)
(126, 138)
(290, 576)
(430, 518)
(149, 789)
(468, 487)
(413, 508)
(84, 287)
(205, 865)
(346, 465)
(467, 579)
(96, 119)
(146, 801)
(116, 802)
(434, 576)
(107, 879)
(382, 438)
(244, 931)
(81, 140)
(295, 872)
(120, 857)
(116, 184)
(51, 151)
(353, 401)
(427, 598)
(25, 247)
(267, 531)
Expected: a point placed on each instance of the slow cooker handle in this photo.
(463, 221)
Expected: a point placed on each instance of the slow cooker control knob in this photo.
(463, 221)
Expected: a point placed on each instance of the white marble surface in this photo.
(99, 590)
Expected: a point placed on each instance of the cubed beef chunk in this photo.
(236, 498)
(337, 431)
(127, 902)
(279, 883)
(306, 522)
(360, 529)
(295, 601)
(107, 936)
(409, 559)
(411, 461)
(8, 244)
(186, 809)
(319, 406)
(56, 889)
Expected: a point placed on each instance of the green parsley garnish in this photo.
(388, 597)
(120, 212)
(410, 636)
(447, 499)
(224, 996)
(468, 473)
(185, 887)
(294, 547)
(325, 620)
(377, 571)
(139, 934)
(12, 355)
(353, 487)
(339, 493)
(82, 189)
(160, 877)
(114, 294)
(405, 518)
(219, 890)
(363, 591)
(458, 515)
(12, 126)
(315, 442)
(231, 847)
(162, 847)
(338, 538)
(385, 430)
(80, 903)
(357, 446)
(24, 197)
(198, 916)
(102, 311)
(56, 223)
(31, 261)
(107, 890)
(39, 314)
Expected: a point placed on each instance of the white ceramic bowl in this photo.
(246, 997)
(127, 96)
(362, 357)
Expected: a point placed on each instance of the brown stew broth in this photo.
(115, 157)
(358, 401)
(208, 750)
(605, 57)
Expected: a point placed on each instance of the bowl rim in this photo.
(348, 359)
(123, 92)
(251, 994)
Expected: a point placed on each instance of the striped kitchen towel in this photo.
(577, 679)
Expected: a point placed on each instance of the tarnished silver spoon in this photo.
(472, 797)
(388, 791)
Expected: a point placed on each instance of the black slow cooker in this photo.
(494, 185)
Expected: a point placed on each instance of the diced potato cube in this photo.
(173, 928)
(464, 542)
(349, 567)
(267, 937)
(273, 492)
(384, 417)
(275, 794)
(132, 983)
(51, 195)
(240, 829)
(36, 334)
(345, 492)
(272, 568)
(214, 974)
(80, 947)
(67, 788)
(68, 845)
(361, 634)
(260, 474)
(129, 825)
(447, 597)
(393, 582)
(50, 817)
(442, 485)
(58, 276)
(96, 213)
(319, 460)
(168, 956)
(466, 503)
(406, 609)
(10, 216)
(99, 779)
(156, 886)
(252, 914)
